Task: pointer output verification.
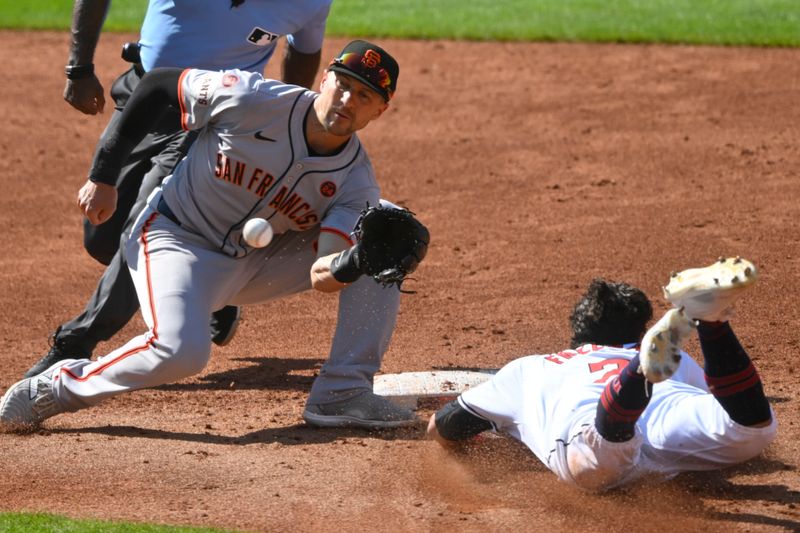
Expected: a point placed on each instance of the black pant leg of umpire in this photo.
(114, 301)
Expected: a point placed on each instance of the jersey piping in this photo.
(184, 114)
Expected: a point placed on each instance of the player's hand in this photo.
(433, 434)
(97, 201)
(85, 95)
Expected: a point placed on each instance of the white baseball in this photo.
(257, 232)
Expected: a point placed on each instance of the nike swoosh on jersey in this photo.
(262, 138)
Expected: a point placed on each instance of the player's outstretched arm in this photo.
(83, 90)
(391, 243)
(329, 248)
(452, 425)
(433, 433)
(154, 94)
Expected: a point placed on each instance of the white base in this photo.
(407, 388)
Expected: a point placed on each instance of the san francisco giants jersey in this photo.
(213, 35)
(251, 160)
(545, 401)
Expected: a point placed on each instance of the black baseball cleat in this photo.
(224, 324)
(365, 410)
(60, 349)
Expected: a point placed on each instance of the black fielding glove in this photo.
(391, 244)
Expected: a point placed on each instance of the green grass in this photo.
(733, 22)
(47, 523)
(758, 22)
(124, 15)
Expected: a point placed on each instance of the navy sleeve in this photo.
(155, 93)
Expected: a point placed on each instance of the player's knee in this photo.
(182, 356)
(193, 354)
(596, 480)
(751, 443)
(596, 464)
(588, 474)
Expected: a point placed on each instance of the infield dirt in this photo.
(536, 167)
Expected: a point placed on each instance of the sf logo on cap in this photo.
(371, 59)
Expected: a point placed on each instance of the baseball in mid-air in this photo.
(257, 232)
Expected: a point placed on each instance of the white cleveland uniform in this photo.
(549, 403)
(249, 160)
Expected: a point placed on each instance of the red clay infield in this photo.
(536, 167)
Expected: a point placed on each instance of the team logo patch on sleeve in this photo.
(262, 37)
(327, 189)
(230, 79)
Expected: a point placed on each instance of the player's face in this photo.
(347, 104)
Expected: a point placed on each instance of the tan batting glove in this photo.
(97, 201)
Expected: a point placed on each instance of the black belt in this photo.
(164, 209)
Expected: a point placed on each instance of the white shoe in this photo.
(660, 354)
(28, 402)
(708, 293)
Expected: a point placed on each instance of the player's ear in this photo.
(323, 80)
(380, 110)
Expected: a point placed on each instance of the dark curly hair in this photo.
(610, 314)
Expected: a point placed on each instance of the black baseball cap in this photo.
(369, 64)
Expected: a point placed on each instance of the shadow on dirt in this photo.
(717, 485)
(276, 373)
(290, 435)
(750, 518)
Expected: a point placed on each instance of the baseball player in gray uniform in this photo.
(264, 149)
(609, 410)
(220, 35)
